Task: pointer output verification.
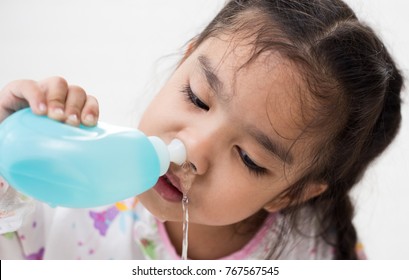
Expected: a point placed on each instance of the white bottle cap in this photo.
(174, 152)
(177, 151)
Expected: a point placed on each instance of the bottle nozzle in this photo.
(174, 152)
(177, 151)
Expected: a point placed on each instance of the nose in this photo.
(203, 146)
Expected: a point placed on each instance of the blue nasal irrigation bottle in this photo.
(81, 167)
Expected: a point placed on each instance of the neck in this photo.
(211, 242)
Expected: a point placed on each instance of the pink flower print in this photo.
(103, 220)
(37, 255)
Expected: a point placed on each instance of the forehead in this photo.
(266, 91)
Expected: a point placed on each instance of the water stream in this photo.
(185, 202)
(186, 181)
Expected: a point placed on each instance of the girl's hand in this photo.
(52, 97)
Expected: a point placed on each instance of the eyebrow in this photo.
(273, 147)
(214, 82)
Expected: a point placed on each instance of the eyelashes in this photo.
(250, 164)
(192, 98)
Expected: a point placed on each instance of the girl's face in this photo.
(237, 124)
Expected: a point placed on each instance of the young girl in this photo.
(281, 105)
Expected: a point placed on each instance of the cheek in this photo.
(167, 112)
(225, 200)
(158, 115)
(223, 210)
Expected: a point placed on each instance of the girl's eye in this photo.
(192, 98)
(249, 163)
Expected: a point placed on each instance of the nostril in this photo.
(189, 167)
(193, 167)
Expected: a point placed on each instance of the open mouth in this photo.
(168, 187)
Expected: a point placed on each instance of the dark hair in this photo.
(355, 87)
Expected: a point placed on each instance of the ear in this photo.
(281, 202)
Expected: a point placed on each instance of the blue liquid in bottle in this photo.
(82, 166)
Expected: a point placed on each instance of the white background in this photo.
(120, 51)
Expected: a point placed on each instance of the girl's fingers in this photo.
(22, 93)
(74, 104)
(53, 97)
(56, 90)
(90, 112)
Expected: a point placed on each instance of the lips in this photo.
(168, 187)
